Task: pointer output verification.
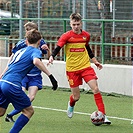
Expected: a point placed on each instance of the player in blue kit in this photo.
(10, 85)
(33, 80)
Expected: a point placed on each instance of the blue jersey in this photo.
(22, 44)
(21, 64)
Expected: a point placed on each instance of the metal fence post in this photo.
(39, 14)
(84, 13)
(21, 21)
(103, 42)
(6, 51)
(64, 25)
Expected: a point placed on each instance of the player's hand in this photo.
(99, 66)
(54, 82)
(44, 47)
(50, 60)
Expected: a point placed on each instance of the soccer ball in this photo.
(97, 118)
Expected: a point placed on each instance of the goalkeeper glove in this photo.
(53, 81)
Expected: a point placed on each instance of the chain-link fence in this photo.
(115, 34)
(90, 9)
(106, 48)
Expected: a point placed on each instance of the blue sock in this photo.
(19, 124)
(14, 112)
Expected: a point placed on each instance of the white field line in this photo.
(81, 113)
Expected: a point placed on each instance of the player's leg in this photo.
(34, 84)
(32, 91)
(74, 97)
(22, 102)
(75, 80)
(9, 116)
(22, 120)
(2, 101)
(97, 95)
(98, 98)
(31, 94)
(90, 78)
(2, 111)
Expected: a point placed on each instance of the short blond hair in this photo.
(30, 25)
(75, 16)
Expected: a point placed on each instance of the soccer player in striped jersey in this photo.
(78, 66)
(10, 85)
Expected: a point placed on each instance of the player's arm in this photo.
(44, 48)
(43, 45)
(61, 42)
(94, 60)
(99, 66)
(49, 53)
(91, 55)
(38, 63)
(10, 58)
(54, 53)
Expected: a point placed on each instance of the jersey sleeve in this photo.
(42, 42)
(63, 39)
(19, 45)
(36, 54)
(88, 38)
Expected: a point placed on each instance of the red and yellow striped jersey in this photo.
(77, 57)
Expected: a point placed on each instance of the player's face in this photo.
(76, 26)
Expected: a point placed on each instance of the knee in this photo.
(31, 111)
(2, 112)
(95, 90)
(32, 98)
(77, 97)
(28, 111)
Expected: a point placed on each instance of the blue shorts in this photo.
(13, 94)
(32, 81)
